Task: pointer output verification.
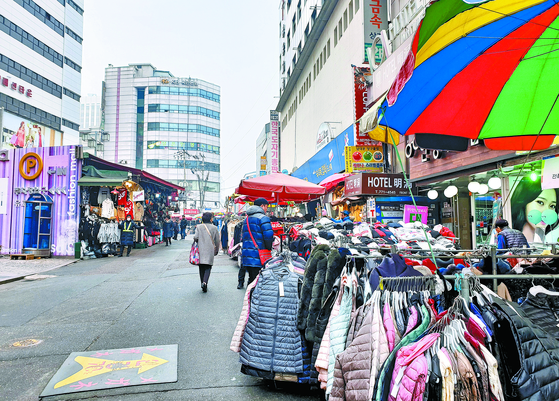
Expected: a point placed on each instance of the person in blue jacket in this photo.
(167, 230)
(126, 235)
(263, 234)
(345, 217)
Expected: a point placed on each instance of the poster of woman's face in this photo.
(526, 197)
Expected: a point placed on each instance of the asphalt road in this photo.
(151, 298)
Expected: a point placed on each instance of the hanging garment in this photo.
(318, 253)
(104, 193)
(107, 209)
(129, 209)
(122, 197)
(271, 341)
(138, 211)
(241, 324)
(447, 375)
(543, 309)
(469, 388)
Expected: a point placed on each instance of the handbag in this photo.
(264, 254)
(194, 258)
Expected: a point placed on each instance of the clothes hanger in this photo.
(538, 289)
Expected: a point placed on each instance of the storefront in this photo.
(385, 198)
(39, 200)
(475, 187)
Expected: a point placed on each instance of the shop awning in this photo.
(93, 177)
(369, 124)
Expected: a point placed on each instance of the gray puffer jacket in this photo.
(271, 341)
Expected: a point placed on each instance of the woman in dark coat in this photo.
(126, 235)
(167, 230)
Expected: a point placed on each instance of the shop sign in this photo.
(175, 81)
(30, 166)
(16, 87)
(138, 196)
(377, 184)
(323, 136)
(73, 183)
(263, 162)
(360, 104)
(375, 20)
(415, 213)
(364, 159)
(550, 173)
(274, 141)
(191, 211)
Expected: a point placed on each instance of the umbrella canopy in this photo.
(480, 71)
(333, 180)
(280, 187)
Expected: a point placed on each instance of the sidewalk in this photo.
(12, 270)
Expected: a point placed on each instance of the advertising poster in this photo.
(533, 209)
(364, 159)
(19, 133)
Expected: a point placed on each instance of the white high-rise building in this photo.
(165, 125)
(90, 112)
(40, 71)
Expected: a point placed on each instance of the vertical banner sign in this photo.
(360, 103)
(375, 20)
(274, 140)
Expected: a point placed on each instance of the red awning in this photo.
(333, 180)
(280, 187)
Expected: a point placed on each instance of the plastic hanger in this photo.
(538, 289)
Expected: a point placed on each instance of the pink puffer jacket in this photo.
(412, 321)
(243, 319)
(388, 323)
(410, 371)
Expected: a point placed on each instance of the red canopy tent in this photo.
(280, 187)
(333, 180)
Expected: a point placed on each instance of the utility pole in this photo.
(202, 175)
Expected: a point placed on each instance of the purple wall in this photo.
(65, 217)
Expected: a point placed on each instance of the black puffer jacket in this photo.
(318, 253)
(543, 310)
(531, 373)
(323, 284)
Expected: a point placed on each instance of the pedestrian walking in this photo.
(183, 225)
(207, 236)
(175, 229)
(257, 235)
(167, 230)
(126, 235)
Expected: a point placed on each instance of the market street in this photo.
(151, 298)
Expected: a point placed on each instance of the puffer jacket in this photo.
(543, 310)
(271, 341)
(531, 373)
(263, 235)
(241, 324)
(410, 385)
(318, 253)
(326, 274)
(469, 389)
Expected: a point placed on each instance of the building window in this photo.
(73, 65)
(288, 40)
(174, 108)
(356, 6)
(74, 35)
(328, 49)
(29, 76)
(335, 36)
(188, 164)
(171, 90)
(27, 111)
(140, 96)
(340, 32)
(194, 146)
(30, 41)
(180, 127)
(293, 24)
(350, 8)
(75, 7)
(71, 94)
(70, 124)
(42, 15)
(324, 54)
(345, 20)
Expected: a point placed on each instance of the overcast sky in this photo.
(233, 44)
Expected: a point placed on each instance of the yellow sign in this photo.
(29, 162)
(95, 366)
(364, 159)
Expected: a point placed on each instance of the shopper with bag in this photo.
(206, 236)
(257, 238)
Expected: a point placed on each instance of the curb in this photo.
(17, 278)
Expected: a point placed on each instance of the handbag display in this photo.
(264, 254)
(194, 257)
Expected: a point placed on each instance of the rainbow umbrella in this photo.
(480, 71)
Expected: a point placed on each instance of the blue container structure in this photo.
(37, 233)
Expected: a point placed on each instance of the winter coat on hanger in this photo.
(392, 266)
(542, 310)
(318, 253)
(241, 324)
(532, 372)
